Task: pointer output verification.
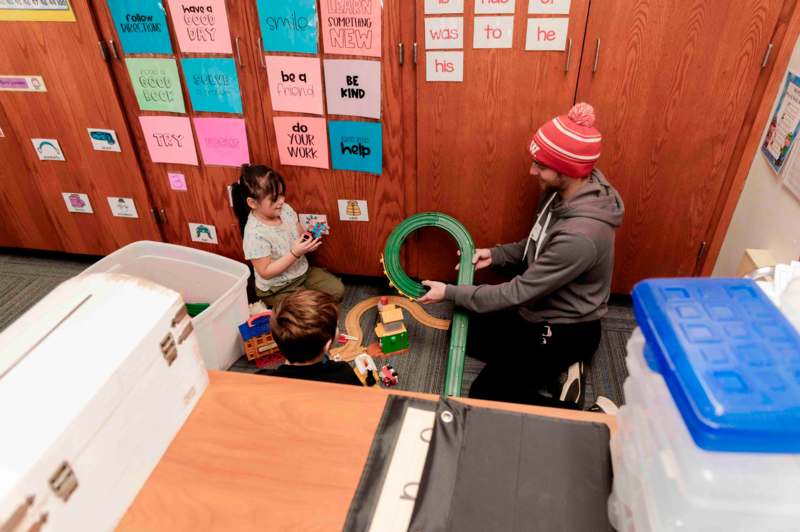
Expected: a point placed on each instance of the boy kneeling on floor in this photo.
(304, 326)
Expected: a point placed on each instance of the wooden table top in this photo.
(262, 453)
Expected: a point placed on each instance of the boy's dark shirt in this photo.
(326, 371)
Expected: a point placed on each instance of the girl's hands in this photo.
(306, 244)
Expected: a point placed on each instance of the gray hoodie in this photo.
(568, 279)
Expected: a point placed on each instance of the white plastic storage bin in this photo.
(200, 277)
(688, 488)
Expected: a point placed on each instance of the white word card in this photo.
(484, 7)
(548, 7)
(444, 66)
(443, 33)
(547, 34)
(441, 7)
(493, 32)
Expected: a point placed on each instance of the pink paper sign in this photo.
(302, 141)
(353, 87)
(177, 181)
(295, 84)
(169, 139)
(201, 26)
(351, 28)
(223, 141)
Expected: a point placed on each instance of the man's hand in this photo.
(481, 259)
(435, 294)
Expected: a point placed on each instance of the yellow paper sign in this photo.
(37, 11)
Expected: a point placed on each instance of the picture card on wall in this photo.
(213, 84)
(353, 87)
(547, 34)
(295, 83)
(351, 210)
(356, 146)
(205, 233)
(122, 207)
(223, 141)
(310, 221)
(548, 7)
(141, 26)
(177, 181)
(169, 139)
(104, 139)
(77, 202)
(201, 26)
(288, 25)
(443, 33)
(352, 27)
(493, 32)
(444, 66)
(156, 84)
(302, 141)
(483, 7)
(48, 149)
(441, 7)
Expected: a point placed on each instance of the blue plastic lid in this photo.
(730, 359)
(260, 327)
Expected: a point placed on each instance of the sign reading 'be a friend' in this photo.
(201, 26)
(353, 87)
(302, 141)
(156, 84)
(295, 83)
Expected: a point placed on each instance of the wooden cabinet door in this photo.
(472, 137)
(354, 247)
(671, 84)
(80, 95)
(25, 221)
(205, 200)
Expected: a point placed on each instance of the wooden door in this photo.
(472, 137)
(205, 200)
(671, 85)
(80, 95)
(356, 247)
(24, 221)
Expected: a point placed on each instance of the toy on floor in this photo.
(391, 331)
(352, 348)
(193, 309)
(389, 375)
(366, 370)
(259, 345)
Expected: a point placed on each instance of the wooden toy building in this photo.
(391, 330)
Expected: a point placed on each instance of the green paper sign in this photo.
(156, 83)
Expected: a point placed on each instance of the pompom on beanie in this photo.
(569, 144)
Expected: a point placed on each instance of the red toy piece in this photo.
(388, 375)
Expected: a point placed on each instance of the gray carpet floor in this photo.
(25, 279)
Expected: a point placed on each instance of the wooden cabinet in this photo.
(80, 95)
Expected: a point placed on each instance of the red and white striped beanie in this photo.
(568, 144)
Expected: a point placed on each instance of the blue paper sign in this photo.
(356, 146)
(213, 84)
(288, 25)
(141, 26)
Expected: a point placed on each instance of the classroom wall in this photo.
(767, 214)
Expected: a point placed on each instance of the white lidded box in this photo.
(200, 277)
(95, 382)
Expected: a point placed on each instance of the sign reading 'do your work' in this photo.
(295, 83)
(201, 26)
(141, 26)
(351, 27)
(302, 141)
(156, 84)
(353, 87)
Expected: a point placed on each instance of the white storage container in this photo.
(688, 488)
(95, 381)
(200, 277)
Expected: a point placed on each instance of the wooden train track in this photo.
(352, 322)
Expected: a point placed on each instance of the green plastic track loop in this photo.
(413, 290)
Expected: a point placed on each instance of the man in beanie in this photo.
(546, 320)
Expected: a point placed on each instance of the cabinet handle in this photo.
(414, 49)
(596, 57)
(261, 53)
(401, 53)
(113, 47)
(238, 53)
(103, 52)
(569, 55)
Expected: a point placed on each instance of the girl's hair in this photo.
(257, 182)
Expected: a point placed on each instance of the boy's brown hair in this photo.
(302, 323)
